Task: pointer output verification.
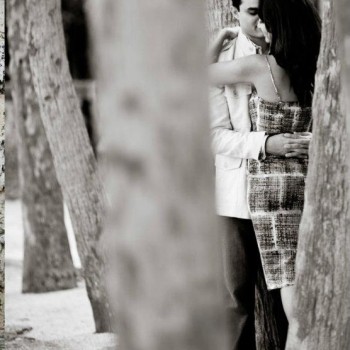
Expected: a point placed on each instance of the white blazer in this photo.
(232, 140)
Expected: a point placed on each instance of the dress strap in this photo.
(272, 79)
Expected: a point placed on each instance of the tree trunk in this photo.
(321, 319)
(343, 35)
(153, 104)
(12, 176)
(47, 263)
(73, 156)
(2, 214)
(219, 16)
(2, 172)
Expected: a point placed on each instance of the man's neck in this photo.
(259, 42)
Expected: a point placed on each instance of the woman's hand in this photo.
(229, 33)
(224, 34)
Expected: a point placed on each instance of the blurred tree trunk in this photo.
(153, 104)
(321, 320)
(267, 333)
(47, 264)
(73, 156)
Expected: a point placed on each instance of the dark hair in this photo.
(295, 26)
(236, 3)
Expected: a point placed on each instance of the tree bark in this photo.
(155, 142)
(321, 319)
(2, 215)
(47, 263)
(73, 156)
(2, 172)
(219, 15)
(343, 35)
(267, 335)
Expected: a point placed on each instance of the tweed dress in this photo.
(276, 189)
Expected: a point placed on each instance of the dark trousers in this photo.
(241, 263)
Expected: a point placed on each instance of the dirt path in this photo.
(55, 320)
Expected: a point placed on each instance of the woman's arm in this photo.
(241, 70)
(216, 47)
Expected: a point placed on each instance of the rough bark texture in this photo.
(2, 215)
(153, 105)
(342, 11)
(321, 318)
(219, 16)
(12, 177)
(47, 263)
(73, 156)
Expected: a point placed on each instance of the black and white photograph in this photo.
(175, 175)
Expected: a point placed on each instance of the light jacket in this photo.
(232, 140)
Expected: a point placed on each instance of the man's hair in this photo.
(295, 26)
(236, 3)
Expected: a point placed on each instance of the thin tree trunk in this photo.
(2, 215)
(73, 156)
(2, 172)
(47, 263)
(153, 106)
(12, 176)
(321, 319)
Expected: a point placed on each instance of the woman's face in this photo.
(267, 34)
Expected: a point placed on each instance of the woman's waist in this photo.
(278, 165)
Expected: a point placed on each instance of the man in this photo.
(234, 144)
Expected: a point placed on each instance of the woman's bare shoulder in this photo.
(258, 60)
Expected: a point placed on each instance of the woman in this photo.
(283, 82)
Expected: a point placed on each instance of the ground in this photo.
(55, 320)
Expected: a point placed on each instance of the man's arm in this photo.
(247, 145)
(225, 140)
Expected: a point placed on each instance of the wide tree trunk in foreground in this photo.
(321, 320)
(73, 156)
(47, 263)
(219, 15)
(155, 142)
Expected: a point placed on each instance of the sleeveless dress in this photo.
(276, 189)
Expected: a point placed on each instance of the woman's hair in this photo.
(236, 3)
(295, 26)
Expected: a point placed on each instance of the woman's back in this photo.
(273, 83)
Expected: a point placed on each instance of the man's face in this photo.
(247, 15)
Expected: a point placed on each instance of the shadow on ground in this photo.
(54, 320)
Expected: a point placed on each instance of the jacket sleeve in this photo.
(225, 140)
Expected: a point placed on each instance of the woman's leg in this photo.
(287, 296)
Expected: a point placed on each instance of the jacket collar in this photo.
(246, 45)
